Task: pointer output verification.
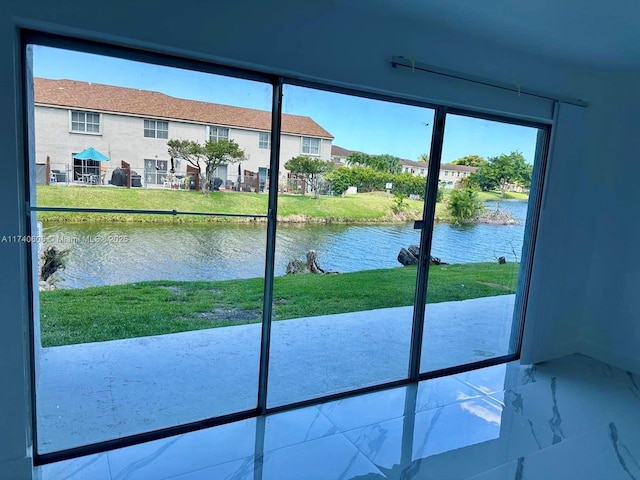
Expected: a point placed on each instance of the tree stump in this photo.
(312, 262)
(296, 266)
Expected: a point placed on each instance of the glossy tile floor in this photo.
(572, 418)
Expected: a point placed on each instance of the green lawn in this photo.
(484, 196)
(152, 308)
(374, 207)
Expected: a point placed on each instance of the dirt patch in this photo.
(231, 315)
(496, 285)
(174, 289)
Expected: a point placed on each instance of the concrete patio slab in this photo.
(98, 391)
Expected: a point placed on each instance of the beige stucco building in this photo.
(134, 125)
(449, 175)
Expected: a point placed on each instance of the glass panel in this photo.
(344, 321)
(154, 320)
(477, 241)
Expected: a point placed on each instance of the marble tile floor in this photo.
(569, 418)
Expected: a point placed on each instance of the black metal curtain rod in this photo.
(399, 61)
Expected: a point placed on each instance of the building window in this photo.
(218, 133)
(446, 173)
(311, 145)
(85, 122)
(156, 129)
(422, 171)
(265, 141)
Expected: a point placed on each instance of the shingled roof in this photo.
(443, 166)
(107, 98)
(458, 168)
(337, 151)
(413, 163)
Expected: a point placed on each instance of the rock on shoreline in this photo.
(496, 217)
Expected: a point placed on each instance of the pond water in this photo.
(106, 254)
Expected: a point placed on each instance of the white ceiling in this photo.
(604, 34)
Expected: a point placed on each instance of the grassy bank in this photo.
(359, 208)
(484, 196)
(152, 308)
(375, 207)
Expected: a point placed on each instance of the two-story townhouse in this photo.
(413, 167)
(450, 175)
(134, 126)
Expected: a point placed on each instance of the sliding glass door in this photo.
(486, 187)
(347, 195)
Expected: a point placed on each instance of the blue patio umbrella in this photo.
(88, 173)
(91, 154)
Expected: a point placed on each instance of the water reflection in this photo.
(106, 254)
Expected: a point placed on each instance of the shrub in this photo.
(464, 204)
(369, 180)
(400, 204)
(407, 184)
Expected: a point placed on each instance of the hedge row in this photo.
(368, 180)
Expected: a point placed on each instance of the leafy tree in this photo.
(424, 158)
(470, 160)
(310, 168)
(464, 204)
(481, 179)
(213, 154)
(380, 163)
(503, 170)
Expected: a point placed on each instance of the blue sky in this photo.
(356, 123)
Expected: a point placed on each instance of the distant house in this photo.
(451, 174)
(339, 155)
(413, 167)
(132, 125)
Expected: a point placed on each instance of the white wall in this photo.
(611, 318)
(558, 299)
(292, 36)
(122, 138)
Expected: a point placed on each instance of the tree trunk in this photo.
(206, 186)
